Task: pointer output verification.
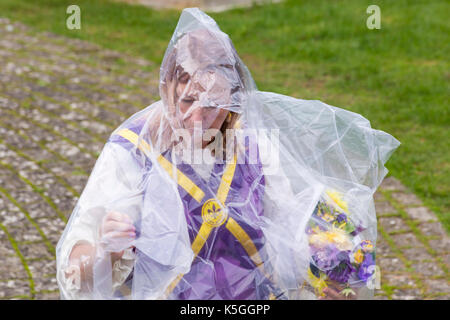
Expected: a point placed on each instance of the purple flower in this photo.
(366, 246)
(358, 230)
(326, 258)
(366, 270)
(342, 217)
(342, 272)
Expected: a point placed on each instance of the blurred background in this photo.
(63, 91)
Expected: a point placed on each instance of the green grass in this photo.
(398, 77)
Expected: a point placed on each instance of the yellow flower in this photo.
(337, 198)
(340, 238)
(335, 236)
(339, 225)
(318, 283)
(367, 246)
(316, 229)
(318, 239)
(358, 256)
(328, 217)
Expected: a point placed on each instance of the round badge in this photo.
(213, 213)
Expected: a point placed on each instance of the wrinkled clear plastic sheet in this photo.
(221, 191)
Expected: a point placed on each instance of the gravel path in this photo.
(60, 99)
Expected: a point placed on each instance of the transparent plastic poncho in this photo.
(232, 193)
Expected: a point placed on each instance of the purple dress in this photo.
(224, 222)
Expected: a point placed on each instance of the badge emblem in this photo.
(213, 213)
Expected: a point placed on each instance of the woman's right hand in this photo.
(334, 292)
(117, 232)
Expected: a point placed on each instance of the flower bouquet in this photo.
(338, 253)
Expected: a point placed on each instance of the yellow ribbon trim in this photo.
(182, 179)
(245, 240)
(205, 229)
(225, 184)
(239, 233)
(186, 183)
(197, 245)
(201, 238)
(236, 230)
(172, 286)
(134, 139)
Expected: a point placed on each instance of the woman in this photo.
(177, 208)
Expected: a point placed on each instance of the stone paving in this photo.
(60, 99)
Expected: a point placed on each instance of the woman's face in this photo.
(188, 94)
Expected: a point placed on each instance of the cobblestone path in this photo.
(60, 99)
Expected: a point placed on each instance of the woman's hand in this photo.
(334, 292)
(116, 233)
